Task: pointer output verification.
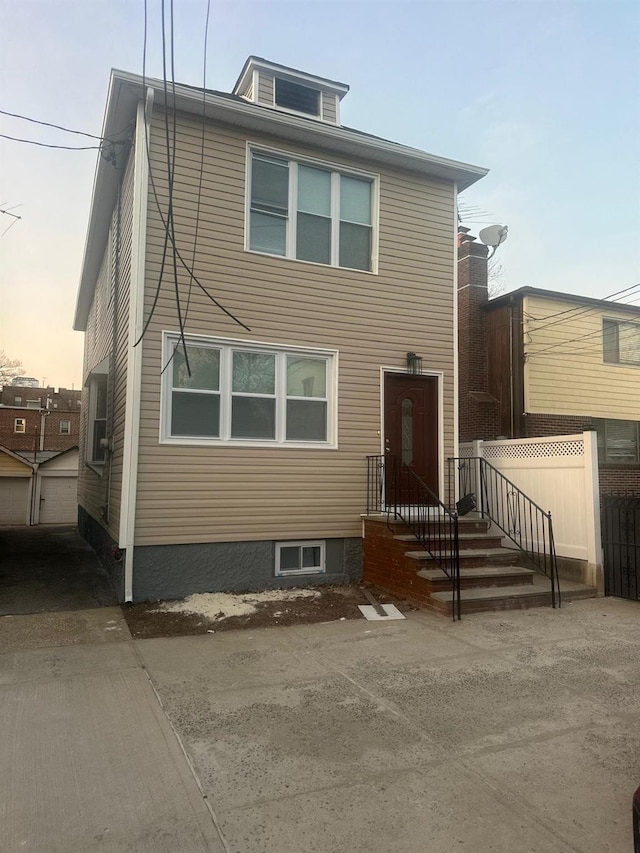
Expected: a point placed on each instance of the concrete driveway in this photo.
(517, 731)
(49, 568)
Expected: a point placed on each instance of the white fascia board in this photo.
(257, 117)
(126, 533)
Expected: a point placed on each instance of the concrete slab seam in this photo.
(523, 811)
(214, 817)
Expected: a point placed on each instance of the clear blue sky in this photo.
(546, 94)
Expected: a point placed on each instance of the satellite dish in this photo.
(494, 235)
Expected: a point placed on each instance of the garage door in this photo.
(59, 500)
(14, 492)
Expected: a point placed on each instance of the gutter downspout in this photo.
(126, 537)
(456, 361)
(511, 389)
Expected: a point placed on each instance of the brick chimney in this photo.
(478, 410)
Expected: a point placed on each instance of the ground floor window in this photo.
(618, 442)
(247, 393)
(300, 558)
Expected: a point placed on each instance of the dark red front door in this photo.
(411, 424)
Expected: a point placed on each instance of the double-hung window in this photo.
(97, 418)
(19, 425)
(65, 427)
(310, 212)
(621, 342)
(247, 394)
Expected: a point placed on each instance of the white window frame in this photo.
(93, 404)
(20, 422)
(313, 570)
(290, 240)
(227, 346)
(66, 431)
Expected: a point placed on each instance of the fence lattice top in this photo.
(575, 447)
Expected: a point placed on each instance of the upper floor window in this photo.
(247, 394)
(65, 427)
(17, 400)
(311, 212)
(621, 342)
(296, 97)
(618, 442)
(20, 425)
(33, 404)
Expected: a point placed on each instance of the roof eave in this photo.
(125, 90)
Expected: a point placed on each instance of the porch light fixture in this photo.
(414, 363)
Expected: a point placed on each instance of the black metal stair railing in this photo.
(526, 524)
(396, 490)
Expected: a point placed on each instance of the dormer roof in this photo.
(258, 63)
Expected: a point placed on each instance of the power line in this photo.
(202, 139)
(49, 124)
(164, 221)
(50, 145)
(579, 310)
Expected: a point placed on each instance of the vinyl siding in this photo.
(102, 338)
(329, 111)
(227, 493)
(10, 467)
(572, 378)
(266, 87)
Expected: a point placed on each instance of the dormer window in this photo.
(294, 96)
(289, 90)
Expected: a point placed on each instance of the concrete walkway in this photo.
(517, 731)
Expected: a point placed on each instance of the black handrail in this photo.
(528, 526)
(395, 489)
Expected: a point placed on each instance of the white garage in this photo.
(59, 500)
(16, 482)
(56, 498)
(14, 500)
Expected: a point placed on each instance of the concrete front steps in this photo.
(492, 577)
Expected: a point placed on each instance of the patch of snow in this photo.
(220, 605)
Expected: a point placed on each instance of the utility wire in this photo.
(49, 124)
(156, 197)
(202, 139)
(50, 145)
(579, 310)
(171, 163)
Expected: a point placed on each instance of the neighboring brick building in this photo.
(28, 397)
(35, 419)
(540, 363)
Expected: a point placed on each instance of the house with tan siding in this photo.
(536, 362)
(254, 276)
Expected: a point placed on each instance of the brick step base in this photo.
(491, 577)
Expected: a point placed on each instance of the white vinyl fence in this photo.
(560, 474)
